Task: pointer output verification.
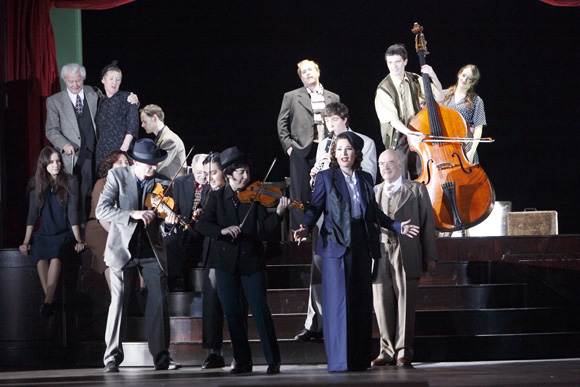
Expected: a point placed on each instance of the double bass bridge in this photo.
(446, 165)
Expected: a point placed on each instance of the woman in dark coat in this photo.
(237, 255)
(348, 239)
(53, 198)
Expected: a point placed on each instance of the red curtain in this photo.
(31, 51)
(32, 76)
(563, 3)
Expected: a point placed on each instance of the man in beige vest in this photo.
(398, 99)
(403, 260)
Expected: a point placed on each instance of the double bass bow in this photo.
(460, 192)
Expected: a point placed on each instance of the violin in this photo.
(268, 196)
(163, 205)
(461, 194)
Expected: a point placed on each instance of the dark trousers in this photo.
(254, 286)
(156, 313)
(300, 183)
(213, 315)
(84, 172)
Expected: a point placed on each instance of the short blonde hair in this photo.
(303, 62)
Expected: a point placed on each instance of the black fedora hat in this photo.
(146, 151)
(355, 140)
(231, 155)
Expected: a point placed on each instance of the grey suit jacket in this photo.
(170, 142)
(61, 122)
(296, 120)
(118, 199)
(414, 204)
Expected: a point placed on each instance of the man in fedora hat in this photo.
(135, 243)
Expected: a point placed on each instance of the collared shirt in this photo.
(159, 134)
(73, 97)
(396, 185)
(385, 105)
(354, 190)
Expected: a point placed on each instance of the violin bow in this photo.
(258, 192)
(456, 139)
(175, 176)
(179, 170)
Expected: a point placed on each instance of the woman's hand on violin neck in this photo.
(171, 218)
(145, 215)
(302, 232)
(232, 231)
(408, 229)
(282, 205)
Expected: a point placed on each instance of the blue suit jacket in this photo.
(331, 197)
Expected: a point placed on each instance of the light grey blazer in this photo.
(118, 199)
(61, 122)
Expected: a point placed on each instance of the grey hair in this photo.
(73, 68)
(196, 158)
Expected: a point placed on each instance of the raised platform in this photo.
(490, 298)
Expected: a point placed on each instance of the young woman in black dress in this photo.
(53, 197)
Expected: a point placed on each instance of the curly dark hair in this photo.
(357, 158)
(109, 160)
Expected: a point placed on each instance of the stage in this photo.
(556, 372)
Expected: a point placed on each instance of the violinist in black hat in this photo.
(237, 255)
(135, 244)
(349, 238)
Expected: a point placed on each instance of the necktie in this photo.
(403, 102)
(79, 106)
(389, 190)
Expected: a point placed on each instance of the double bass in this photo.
(460, 192)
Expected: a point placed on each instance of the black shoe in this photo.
(242, 368)
(273, 368)
(46, 310)
(168, 364)
(307, 335)
(213, 361)
(111, 367)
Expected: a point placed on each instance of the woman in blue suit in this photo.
(349, 238)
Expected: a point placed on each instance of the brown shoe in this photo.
(402, 362)
(380, 362)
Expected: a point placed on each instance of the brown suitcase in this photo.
(532, 222)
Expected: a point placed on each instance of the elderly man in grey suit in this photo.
(396, 275)
(153, 121)
(70, 128)
(135, 243)
(300, 125)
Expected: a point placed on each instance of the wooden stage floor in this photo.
(561, 372)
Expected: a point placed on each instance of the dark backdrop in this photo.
(219, 70)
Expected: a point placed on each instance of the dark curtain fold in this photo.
(562, 3)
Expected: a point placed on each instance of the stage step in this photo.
(488, 299)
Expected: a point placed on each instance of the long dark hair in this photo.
(43, 180)
(358, 156)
